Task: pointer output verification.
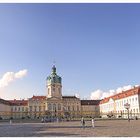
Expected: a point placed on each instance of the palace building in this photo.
(53, 104)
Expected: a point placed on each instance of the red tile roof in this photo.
(38, 97)
(18, 102)
(124, 94)
(4, 102)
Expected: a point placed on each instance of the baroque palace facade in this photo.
(54, 104)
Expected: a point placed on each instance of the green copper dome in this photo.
(53, 78)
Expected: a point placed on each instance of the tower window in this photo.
(53, 89)
(59, 90)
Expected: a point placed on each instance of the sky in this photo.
(95, 48)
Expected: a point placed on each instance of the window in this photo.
(53, 89)
(30, 108)
(59, 90)
(49, 106)
(22, 108)
(59, 106)
(64, 108)
(43, 108)
(39, 108)
(68, 108)
(19, 109)
(73, 107)
(77, 108)
(35, 108)
(54, 107)
(48, 91)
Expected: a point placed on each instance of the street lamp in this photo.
(127, 106)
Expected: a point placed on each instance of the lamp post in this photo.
(127, 106)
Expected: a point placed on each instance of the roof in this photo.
(38, 97)
(90, 102)
(69, 97)
(54, 78)
(18, 102)
(124, 94)
(4, 102)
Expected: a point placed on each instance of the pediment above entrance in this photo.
(54, 99)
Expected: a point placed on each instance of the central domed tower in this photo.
(54, 86)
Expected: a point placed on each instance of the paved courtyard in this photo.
(108, 128)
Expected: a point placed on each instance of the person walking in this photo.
(10, 121)
(42, 120)
(93, 122)
(83, 122)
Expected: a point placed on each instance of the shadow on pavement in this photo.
(72, 126)
(51, 134)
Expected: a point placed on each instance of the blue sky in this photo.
(95, 46)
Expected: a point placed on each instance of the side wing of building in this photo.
(113, 106)
(90, 108)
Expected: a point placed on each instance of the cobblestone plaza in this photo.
(108, 128)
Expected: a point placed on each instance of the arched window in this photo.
(49, 106)
(77, 108)
(73, 107)
(68, 108)
(53, 89)
(54, 107)
(59, 106)
(59, 90)
(48, 90)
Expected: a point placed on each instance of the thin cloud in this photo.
(95, 95)
(77, 95)
(9, 77)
